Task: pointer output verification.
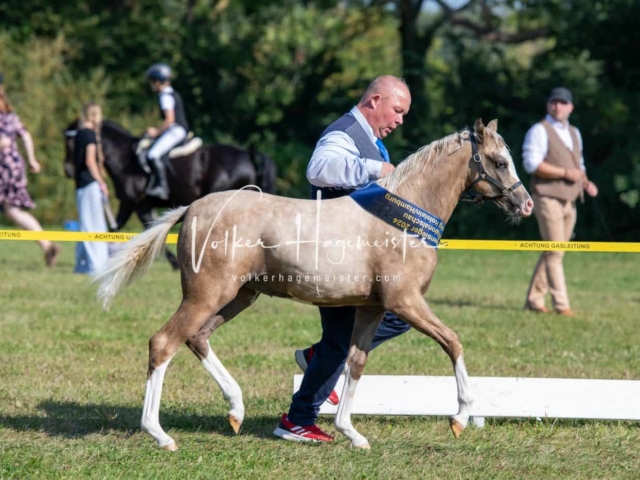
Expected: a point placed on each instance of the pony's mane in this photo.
(116, 127)
(108, 125)
(429, 155)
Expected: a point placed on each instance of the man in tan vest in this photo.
(552, 153)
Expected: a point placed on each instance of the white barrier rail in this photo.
(494, 397)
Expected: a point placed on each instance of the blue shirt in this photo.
(336, 161)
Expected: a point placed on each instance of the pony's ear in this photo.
(478, 128)
(493, 125)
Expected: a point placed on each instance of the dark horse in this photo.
(211, 168)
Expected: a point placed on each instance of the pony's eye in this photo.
(501, 165)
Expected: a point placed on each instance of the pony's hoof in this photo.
(170, 447)
(360, 443)
(235, 423)
(456, 427)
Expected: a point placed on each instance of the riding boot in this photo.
(158, 187)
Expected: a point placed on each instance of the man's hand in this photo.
(152, 132)
(387, 168)
(591, 189)
(574, 174)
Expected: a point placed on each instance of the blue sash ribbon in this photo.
(399, 213)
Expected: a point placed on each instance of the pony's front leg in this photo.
(465, 396)
(364, 329)
(417, 313)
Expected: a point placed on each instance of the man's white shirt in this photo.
(536, 143)
(336, 161)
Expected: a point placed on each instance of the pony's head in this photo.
(492, 173)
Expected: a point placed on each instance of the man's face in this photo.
(559, 110)
(155, 85)
(389, 109)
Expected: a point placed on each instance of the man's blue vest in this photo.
(369, 150)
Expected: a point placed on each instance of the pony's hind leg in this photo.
(417, 313)
(150, 422)
(364, 329)
(199, 345)
(186, 322)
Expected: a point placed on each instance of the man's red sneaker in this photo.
(294, 433)
(303, 362)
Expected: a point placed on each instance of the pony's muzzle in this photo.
(521, 203)
(528, 208)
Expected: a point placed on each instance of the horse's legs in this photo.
(199, 344)
(184, 324)
(145, 214)
(364, 329)
(417, 313)
(125, 210)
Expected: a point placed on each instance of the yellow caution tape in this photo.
(65, 236)
(519, 245)
(62, 236)
(540, 245)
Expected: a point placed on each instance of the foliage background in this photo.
(274, 74)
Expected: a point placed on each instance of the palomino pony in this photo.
(233, 246)
(211, 168)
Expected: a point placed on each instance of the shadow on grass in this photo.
(448, 302)
(22, 266)
(558, 422)
(74, 420)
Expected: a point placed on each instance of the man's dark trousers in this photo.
(329, 358)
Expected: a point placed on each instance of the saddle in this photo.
(189, 146)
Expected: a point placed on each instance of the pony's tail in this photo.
(136, 257)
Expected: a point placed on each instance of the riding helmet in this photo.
(159, 71)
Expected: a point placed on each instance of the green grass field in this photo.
(72, 378)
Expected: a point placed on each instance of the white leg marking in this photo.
(230, 388)
(465, 393)
(151, 411)
(343, 417)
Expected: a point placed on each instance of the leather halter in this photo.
(471, 195)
